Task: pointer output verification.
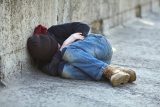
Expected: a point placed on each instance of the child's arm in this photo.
(71, 39)
(52, 67)
(80, 27)
(65, 30)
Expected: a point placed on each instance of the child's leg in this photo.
(72, 72)
(103, 49)
(92, 55)
(86, 56)
(96, 45)
(85, 62)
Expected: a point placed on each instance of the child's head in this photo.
(42, 46)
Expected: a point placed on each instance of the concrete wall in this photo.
(19, 17)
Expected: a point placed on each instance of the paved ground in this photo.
(136, 44)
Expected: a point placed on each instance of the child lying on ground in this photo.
(69, 51)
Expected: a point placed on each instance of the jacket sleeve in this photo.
(80, 27)
(65, 30)
(51, 68)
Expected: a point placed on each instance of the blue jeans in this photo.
(86, 59)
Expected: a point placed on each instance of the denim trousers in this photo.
(86, 59)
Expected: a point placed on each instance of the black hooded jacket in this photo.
(61, 33)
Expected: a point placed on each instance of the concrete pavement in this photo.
(136, 45)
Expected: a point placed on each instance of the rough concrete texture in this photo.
(136, 45)
(19, 17)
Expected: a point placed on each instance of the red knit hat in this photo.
(41, 45)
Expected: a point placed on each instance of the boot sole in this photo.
(120, 78)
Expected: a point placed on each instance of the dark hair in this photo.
(42, 47)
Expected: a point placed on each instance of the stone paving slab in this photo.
(137, 46)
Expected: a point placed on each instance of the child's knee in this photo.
(69, 55)
(66, 75)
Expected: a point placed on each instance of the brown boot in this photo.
(116, 76)
(129, 71)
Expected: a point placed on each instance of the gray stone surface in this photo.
(136, 45)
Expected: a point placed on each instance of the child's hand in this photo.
(77, 36)
(71, 39)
